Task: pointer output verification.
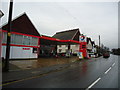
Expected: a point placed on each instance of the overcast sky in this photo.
(92, 18)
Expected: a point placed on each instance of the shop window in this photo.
(59, 45)
(16, 39)
(34, 41)
(60, 50)
(26, 40)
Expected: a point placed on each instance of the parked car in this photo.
(106, 55)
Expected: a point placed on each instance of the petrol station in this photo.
(26, 41)
(44, 40)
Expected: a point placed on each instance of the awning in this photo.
(44, 40)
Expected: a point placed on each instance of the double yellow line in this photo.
(23, 79)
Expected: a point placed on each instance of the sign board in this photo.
(82, 38)
(80, 55)
(26, 48)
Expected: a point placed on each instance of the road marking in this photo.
(19, 80)
(113, 64)
(93, 83)
(33, 77)
(107, 70)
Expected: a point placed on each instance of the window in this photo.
(26, 40)
(4, 37)
(34, 41)
(21, 39)
(16, 39)
(59, 45)
(34, 50)
(60, 50)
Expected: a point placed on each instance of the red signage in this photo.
(83, 48)
(26, 48)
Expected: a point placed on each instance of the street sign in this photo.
(80, 55)
(1, 13)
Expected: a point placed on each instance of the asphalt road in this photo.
(92, 73)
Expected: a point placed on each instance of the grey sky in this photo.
(92, 18)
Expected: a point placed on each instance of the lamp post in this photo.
(99, 46)
(8, 37)
(1, 14)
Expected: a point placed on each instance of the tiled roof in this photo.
(67, 35)
(22, 24)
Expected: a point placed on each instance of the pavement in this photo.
(17, 73)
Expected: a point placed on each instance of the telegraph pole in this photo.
(99, 45)
(1, 15)
(8, 37)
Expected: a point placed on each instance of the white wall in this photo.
(19, 53)
(94, 50)
(89, 46)
(75, 48)
(63, 48)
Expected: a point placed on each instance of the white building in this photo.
(24, 39)
(64, 48)
(91, 48)
(68, 35)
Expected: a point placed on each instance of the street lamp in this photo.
(1, 14)
(99, 46)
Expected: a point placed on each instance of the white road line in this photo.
(93, 83)
(113, 64)
(107, 70)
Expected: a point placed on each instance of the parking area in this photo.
(40, 62)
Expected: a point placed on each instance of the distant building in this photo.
(89, 46)
(24, 38)
(68, 35)
(94, 50)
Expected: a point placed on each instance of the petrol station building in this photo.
(27, 43)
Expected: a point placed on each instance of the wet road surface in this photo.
(92, 73)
